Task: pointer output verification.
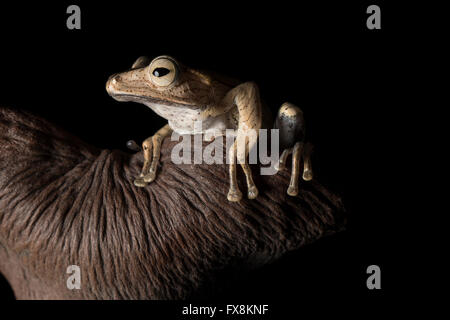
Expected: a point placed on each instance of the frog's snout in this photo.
(111, 84)
(117, 88)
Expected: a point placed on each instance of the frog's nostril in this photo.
(116, 79)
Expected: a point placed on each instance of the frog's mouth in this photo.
(124, 97)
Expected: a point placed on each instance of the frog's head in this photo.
(163, 81)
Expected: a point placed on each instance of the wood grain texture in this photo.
(63, 202)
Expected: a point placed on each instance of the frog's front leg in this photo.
(152, 152)
(246, 98)
(291, 124)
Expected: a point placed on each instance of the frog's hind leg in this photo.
(291, 123)
(281, 164)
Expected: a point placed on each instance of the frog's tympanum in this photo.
(183, 95)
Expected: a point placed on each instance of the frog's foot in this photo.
(151, 161)
(147, 146)
(152, 152)
(139, 182)
(234, 195)
(150, 176)
(252, 192)
(307, 170)
(292, 190)
(300, 150)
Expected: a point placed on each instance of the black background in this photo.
(320, 56)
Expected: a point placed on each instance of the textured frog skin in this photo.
(183, 96)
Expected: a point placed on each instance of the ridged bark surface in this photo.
(63, 202)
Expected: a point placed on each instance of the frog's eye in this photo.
(160, 72)
(163, 71)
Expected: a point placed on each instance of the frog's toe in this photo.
(139, 182)
(252, 192)
(234, 195)
(149, 177)
(292, 191)
(307, 175)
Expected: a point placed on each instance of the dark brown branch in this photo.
(63, 202)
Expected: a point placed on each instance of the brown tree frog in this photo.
(183, 95)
